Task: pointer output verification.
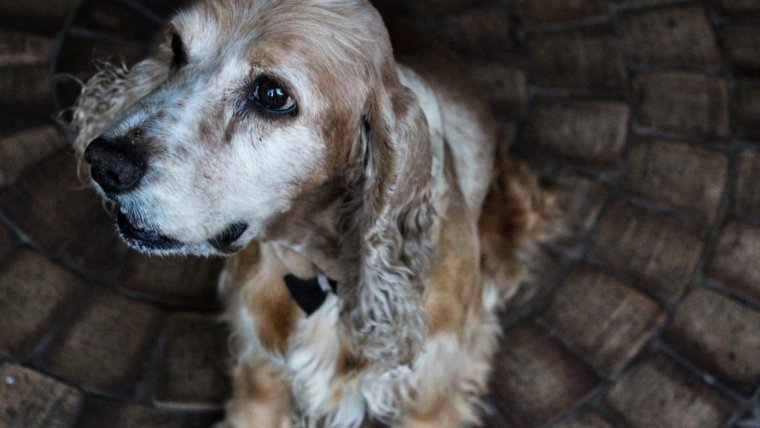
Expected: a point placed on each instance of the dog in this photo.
(373, 222)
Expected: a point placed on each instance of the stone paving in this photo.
(644, 115)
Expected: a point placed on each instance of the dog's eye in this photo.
(178, 49)
(269, 95)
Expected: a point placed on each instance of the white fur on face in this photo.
(213, 161)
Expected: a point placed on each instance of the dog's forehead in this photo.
(326, 35)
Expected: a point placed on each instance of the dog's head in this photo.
(250, 106)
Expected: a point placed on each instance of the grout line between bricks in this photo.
(145, 386)
(63, 319)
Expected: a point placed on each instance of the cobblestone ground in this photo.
(644, 114)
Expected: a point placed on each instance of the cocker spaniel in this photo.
(373, 222)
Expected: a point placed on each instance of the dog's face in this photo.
(261, 102)
(252, 117)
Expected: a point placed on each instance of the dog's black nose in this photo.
(117, 168)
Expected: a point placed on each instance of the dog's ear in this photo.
(113, 89)
(393, 225)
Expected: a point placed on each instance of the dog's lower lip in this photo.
(135, 232)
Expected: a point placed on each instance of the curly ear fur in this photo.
(393, 226)
(111, 91)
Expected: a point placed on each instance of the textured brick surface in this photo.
(98, 413)
(33, 293)
(604, 319)
(735, 263)
(743, 46)
(675, 36)
(655, 250)
(441, 8)
(579, 199)
(193, 370)
(585, 419)
(35, 15)
(558, 72)
(201, 419)
(737, 7)
(78, 53)
(720, 334)
(590, 60)
(7, 240)
(20, 48)
(677, 175)
(545, 269)
(31, 400)
(746, 108)
(657, 394)
(484, 32)
(116, 18)
(22, 150)
(503, 82)
(548, 12)
(49, 203)
(25, 96)
(747, 192)
(683, 103)
(106, 345)
(535, 379)
(97, 249)
(587, 132)
(191, 280)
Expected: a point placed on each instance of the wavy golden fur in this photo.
(378, 181)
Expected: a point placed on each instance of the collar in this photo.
(309, 294)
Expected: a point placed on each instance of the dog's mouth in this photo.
(136, 233)
(139, 236)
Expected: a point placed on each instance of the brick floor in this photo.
(735, 262)
(22, 150)
(30, 399)
(682, 103)
(747, 193)
(537, 13)
(686, 178)
(585, 419)
(106, 345)
(535, 379)
(743, 45)
(603, 318)
(656, 393)
(657, 251)
(482, 32)
(193, 370)
(643, 114)
(682, 36)
(507, 82)
(590, 60)
(97, 413)
(737, 7)
(172, 279)
(34, 293)
(50, 187)
(720, 334)
(587, 132)
(580, 201)
(746, 108)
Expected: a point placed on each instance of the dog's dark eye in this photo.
(178, 49)
(269, 95)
